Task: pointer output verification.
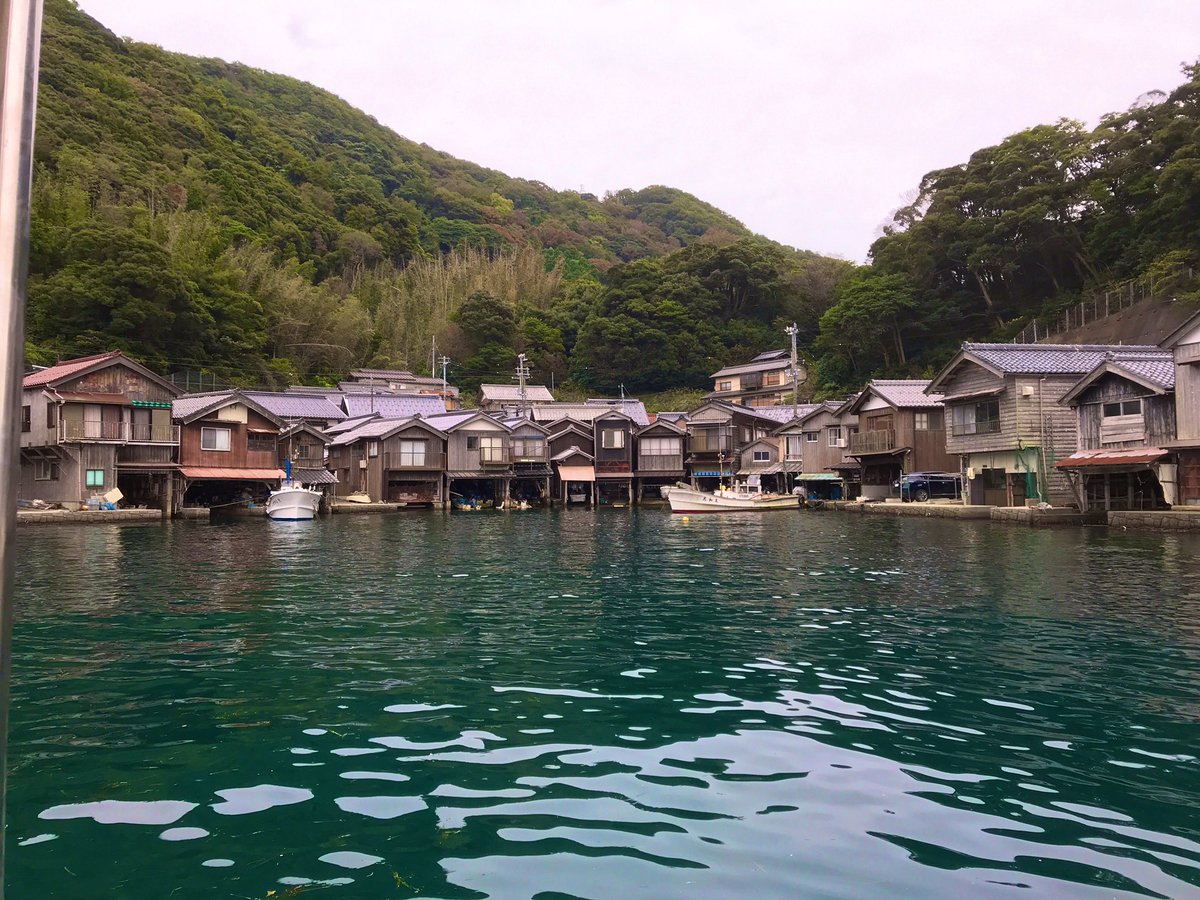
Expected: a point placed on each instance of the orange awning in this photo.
(232, 474)
(577, 473)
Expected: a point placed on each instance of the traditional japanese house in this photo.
(96, 423)
(815, 447)
(507, 397)
(614, 455)
(228, 448)
(531, 468)
(392, 461)
(762, 460)
(1125, 414)
(584, 413)
(659, 456)
(1184, 344)
(400, 381)
(303, 447)
(717, 431)
(479, 465)
(575, 475)
(1006, 425)
(764, 381)
(294, 408)
(392, 406)
(900, 429)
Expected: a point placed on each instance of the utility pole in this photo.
(522, 374)
(433, 357)
(792, 331)
(622, 385)
(445, 361)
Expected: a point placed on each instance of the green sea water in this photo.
(604, 704)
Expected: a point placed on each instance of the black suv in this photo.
(922, 486)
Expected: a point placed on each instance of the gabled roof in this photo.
(381, 374)
(452, 421)
(812, 410)
(394, 406)
(521, 422)
(569, 452)
(567, 423)
(1033, 359)
(671, 417)
(298, 406)
(772, 354)
(511, 393)
(73, 368)
(663, 423)
(1176, 337)
(587, 412)
(380, 428)
(349, 424)
(902, 393)
(191, 407)
(1153, 371)
(768, 365)
(304, 427)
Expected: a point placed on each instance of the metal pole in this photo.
(21, 24)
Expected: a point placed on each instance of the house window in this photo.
(930, 420)
(724, 385)
(762, 455)
(795, 445)
(472, 442)
(976, 418)
(491, 449)
(260, 443)
(51, 415)
(771, 379)
(835, 437)
(45, 470)
(302, 451)
(662, 446)
(26, 424)
(412, 453)
(612, 439)
(1123, 408)
(95, 478)
(214, 438)
(372, 449)
(530, 446)
(810, 437)
(921, 421)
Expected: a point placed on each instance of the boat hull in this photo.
(291, 504)
(689, 501)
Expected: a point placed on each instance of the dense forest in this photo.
(208, 216)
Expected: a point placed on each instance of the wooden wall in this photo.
(1157, 422)
(237, 456)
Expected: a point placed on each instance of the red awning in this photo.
(1087, 459)
(232, 474)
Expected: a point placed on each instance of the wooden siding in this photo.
(969, 378)
(1157, 422)
(238, 456)
(461, 459)
(613, 460)
(1187, 392)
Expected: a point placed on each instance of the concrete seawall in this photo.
(1016, 515)
(1159, 520)
(90, 516)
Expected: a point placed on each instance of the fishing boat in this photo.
(293, 502)
(742, 496)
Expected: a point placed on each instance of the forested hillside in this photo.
(205, 215)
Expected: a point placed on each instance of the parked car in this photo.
(922, 486)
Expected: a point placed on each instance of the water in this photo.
(605, 704)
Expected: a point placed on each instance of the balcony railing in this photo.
(873, 441)
(494, 456)
(529, 454)
(613, 467)
(395, 461)
(661, 463)
(702, 442)
(117, 432)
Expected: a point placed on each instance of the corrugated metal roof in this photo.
(395, 406)
(1049, 359)
(588, 412)
(909, 393)
(297, 406)
(220, 474)
(1085, 459)
(66, 368)
(534, 393)
(573, 450)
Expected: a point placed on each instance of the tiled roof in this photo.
(395, 406)
(588, 412)
(349, 424)
(313, 476)
(66, 368)
(909, 393)
(190, 404)
(447, 421)
(771, 354)
(370, 428)
(769, 365)
(573, 450)
(1049, 359)
(1157, 368)
(297, 406)
(782, 414)
(312, 389)
(382, 374)
(511, 392)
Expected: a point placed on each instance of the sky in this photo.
(808, 120)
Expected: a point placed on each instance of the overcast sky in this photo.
(809, 121)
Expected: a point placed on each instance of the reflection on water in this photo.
(595, 704)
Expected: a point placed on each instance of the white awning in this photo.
(577, 473)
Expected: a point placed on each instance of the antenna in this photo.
(622, 391)
(792, 331)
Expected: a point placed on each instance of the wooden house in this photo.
(718, 431)
(764, 381)
(391, 461)
(1006, 426)
(815, 449)
(1125, 417)
(96, 423)
(575, 475)
(508, 397)
(228, 448)
(660, 455)
(1184, 344)
(531, 470)
(613, 451)
(303, 447)
(479, 466)
(900, 429)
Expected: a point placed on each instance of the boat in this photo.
(293, 502)
(742, 496)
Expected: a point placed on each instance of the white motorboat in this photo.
(293, 502)
(740, 497)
